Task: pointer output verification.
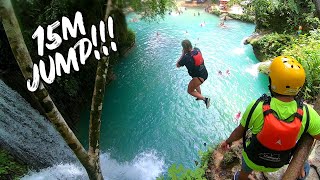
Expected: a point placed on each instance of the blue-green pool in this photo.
(149, 121)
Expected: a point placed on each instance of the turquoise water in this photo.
(147, 111)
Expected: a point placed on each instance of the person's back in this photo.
(276, 123)
(277, 137)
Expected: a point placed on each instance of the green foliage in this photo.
(10, 169)
(234, 2)
(306, 49)
(152, 9)
(176, 172)
(243, 17)
(215, 1)
(273, 44)
(285, 15)
(180, 172)
(216, 11)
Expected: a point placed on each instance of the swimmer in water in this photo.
(238, 115)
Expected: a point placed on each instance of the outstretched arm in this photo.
(234, 136)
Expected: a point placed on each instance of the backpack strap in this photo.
(304, 131)
(264, 97)
(308, 119)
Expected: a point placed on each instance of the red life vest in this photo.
(277, 134)
(274, 145)
(197, 57)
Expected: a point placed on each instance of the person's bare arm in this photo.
(317, 137)
(234, 136)
(177, 64)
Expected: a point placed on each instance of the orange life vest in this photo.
(274, 145)
(197, 57)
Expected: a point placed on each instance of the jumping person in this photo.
(276, 122)
(192, 59)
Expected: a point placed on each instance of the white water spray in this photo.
(145, 166)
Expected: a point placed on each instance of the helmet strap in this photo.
(269, 86)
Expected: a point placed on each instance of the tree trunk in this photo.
(317, 4)
(23, 58)
(302, 151)
(300, 156)
(96, 107)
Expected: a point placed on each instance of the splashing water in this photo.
(146, 165)
(239, 51)
(253, 70)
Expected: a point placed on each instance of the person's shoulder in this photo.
(196, 49)
(253, 102)
(312, 111)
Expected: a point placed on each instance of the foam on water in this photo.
(253, 70)
(145, 166)
(239, 51)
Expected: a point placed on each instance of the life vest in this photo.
(274, 145)
(197, 57)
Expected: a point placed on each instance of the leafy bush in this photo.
(243, 17)
(9, 168)
(272, 45)
(285, 16)
(306, 49)
(180, 172)
(216, 11)
(131, 36)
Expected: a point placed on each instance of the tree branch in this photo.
(300, 156)
(25, 63)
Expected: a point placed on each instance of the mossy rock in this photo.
(10, 168)
(229, 160)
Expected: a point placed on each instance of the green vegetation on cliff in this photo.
(285, 16)
(305, 48)
(9, 168)
(280, 20)
(180, 172)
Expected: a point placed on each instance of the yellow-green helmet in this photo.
(287, 75)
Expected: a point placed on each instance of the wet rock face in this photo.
(27, 135)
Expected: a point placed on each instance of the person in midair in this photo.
(192, 59)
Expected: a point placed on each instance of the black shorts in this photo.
(202, 74)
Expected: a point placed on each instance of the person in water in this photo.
(276, 122)
(238, 115)
(192, 59)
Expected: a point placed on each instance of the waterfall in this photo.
(27, 134)
(32, 138)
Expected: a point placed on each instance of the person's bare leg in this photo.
(198, 89)
(193, 84)
(243, 175)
